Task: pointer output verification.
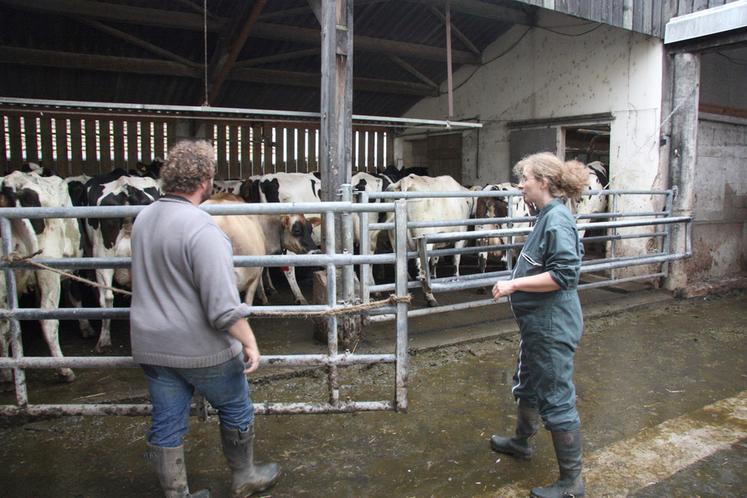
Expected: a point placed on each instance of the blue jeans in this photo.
(225, 386)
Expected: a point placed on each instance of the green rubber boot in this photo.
(568, 452)
(248, 478)
(527, 424)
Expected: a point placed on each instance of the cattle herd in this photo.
(36, 186)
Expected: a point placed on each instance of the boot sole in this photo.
(515, 454)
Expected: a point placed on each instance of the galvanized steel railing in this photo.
(330, 260)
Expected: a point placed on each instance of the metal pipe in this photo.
(402, 369)
(348, 286)
(496, 193)
(300, 360)
(364, 249)
(209, 112)
(16, 340)
(332, 380)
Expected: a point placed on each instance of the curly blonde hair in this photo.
(565, 179)
(189, 163)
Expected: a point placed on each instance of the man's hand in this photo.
(251, 358)
(503, 288)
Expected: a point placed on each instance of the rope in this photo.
(342, 310)
(12, 258)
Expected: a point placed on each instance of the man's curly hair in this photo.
(189, 163)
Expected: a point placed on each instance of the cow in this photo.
(592, 203)
(227, 186)
(256, 235)
(393, 174)
(152, 170)
(497, 207)
(50, 238)
(286, 187)
(111, 236)
(433, 209)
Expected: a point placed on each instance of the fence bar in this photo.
(15, 327)
(400, 220)
(496, 193)
(329, 241)
(364, 250)
(299, 360)
(348, 275)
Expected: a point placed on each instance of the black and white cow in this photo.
(227, 186)
(592, 203)
(110, 237)
(152, 170)
(53, 237)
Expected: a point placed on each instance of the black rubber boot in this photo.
(172, 473)
(527, 425)
(568, 452)
(238, 447)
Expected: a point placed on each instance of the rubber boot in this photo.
(527, 424)
(172, 473)
(238, 447)
(568, 452)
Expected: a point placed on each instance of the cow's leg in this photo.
(458, 257)
(290, 274)
(104, 277)
(261, 291)
(75, 296)
(6, 374)
(49, 287)
(255, 282)
(424, 278)
(267, 282)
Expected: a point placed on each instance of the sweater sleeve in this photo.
(562, 256)
(212, 271)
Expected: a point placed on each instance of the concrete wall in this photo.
(547, 75)
(720, 233)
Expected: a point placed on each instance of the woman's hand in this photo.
(503, 288)
(251, 358)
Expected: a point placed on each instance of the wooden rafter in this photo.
(285, 56)
(467, 42)
(485, 10)
(410, 69)
(233, 52)
(117, 12)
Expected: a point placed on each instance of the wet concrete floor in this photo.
(635, 370)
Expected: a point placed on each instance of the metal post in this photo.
(348, 284)
(666, 241)
(400, 222)
(15, 327)
(364, 249)
(329, 228)
(613, 243)
(510, 252)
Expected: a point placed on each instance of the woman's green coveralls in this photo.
(551, 323)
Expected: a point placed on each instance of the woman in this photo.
(543, 296)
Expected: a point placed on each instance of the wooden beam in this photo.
(485, 10)
(316, 8)
(410, 69)
(467, 42)
(233, 53)
(363, 43)
(724, 111)
(67, 60)
(137, 41)
(118, 12)
(51, 58)
(297, 54)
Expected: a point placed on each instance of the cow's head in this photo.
(152, 170)
(296, 233)
(249, 190)
(271, 189)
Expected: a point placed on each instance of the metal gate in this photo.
(618, 229)
(330, 260)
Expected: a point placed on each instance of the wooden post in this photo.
(683, 152)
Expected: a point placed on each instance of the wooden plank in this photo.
(60, 136)
(76, 147)
(700, 5)
(234, 169)
(313, 150)
(371, 150)
(92, 160)
(668, 10)
(245, 151)
(256, 143)
(170, 135)
(30, 137)
(119, 141)
(146, 141)
(3, 146)
(302, 165)
(221, 166)
(617, 13)
(684, 7)
(16, 145)
(279, 150)
(132, 145)
(648, 9)
(379, 150)
(638, 15)
(290, 150)
(389, 149)
(715, 3)
(658, 26)
(105, 140)
(47, 156)
(159, 134)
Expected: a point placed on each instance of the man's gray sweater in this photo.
(184, 295)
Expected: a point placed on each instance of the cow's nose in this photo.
(315, 251)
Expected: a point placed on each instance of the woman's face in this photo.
(534, 190)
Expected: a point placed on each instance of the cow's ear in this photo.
(315, 220)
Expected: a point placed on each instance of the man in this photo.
(188, 328)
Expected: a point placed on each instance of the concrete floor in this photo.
(662, 393)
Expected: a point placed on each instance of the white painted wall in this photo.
(547, 75)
